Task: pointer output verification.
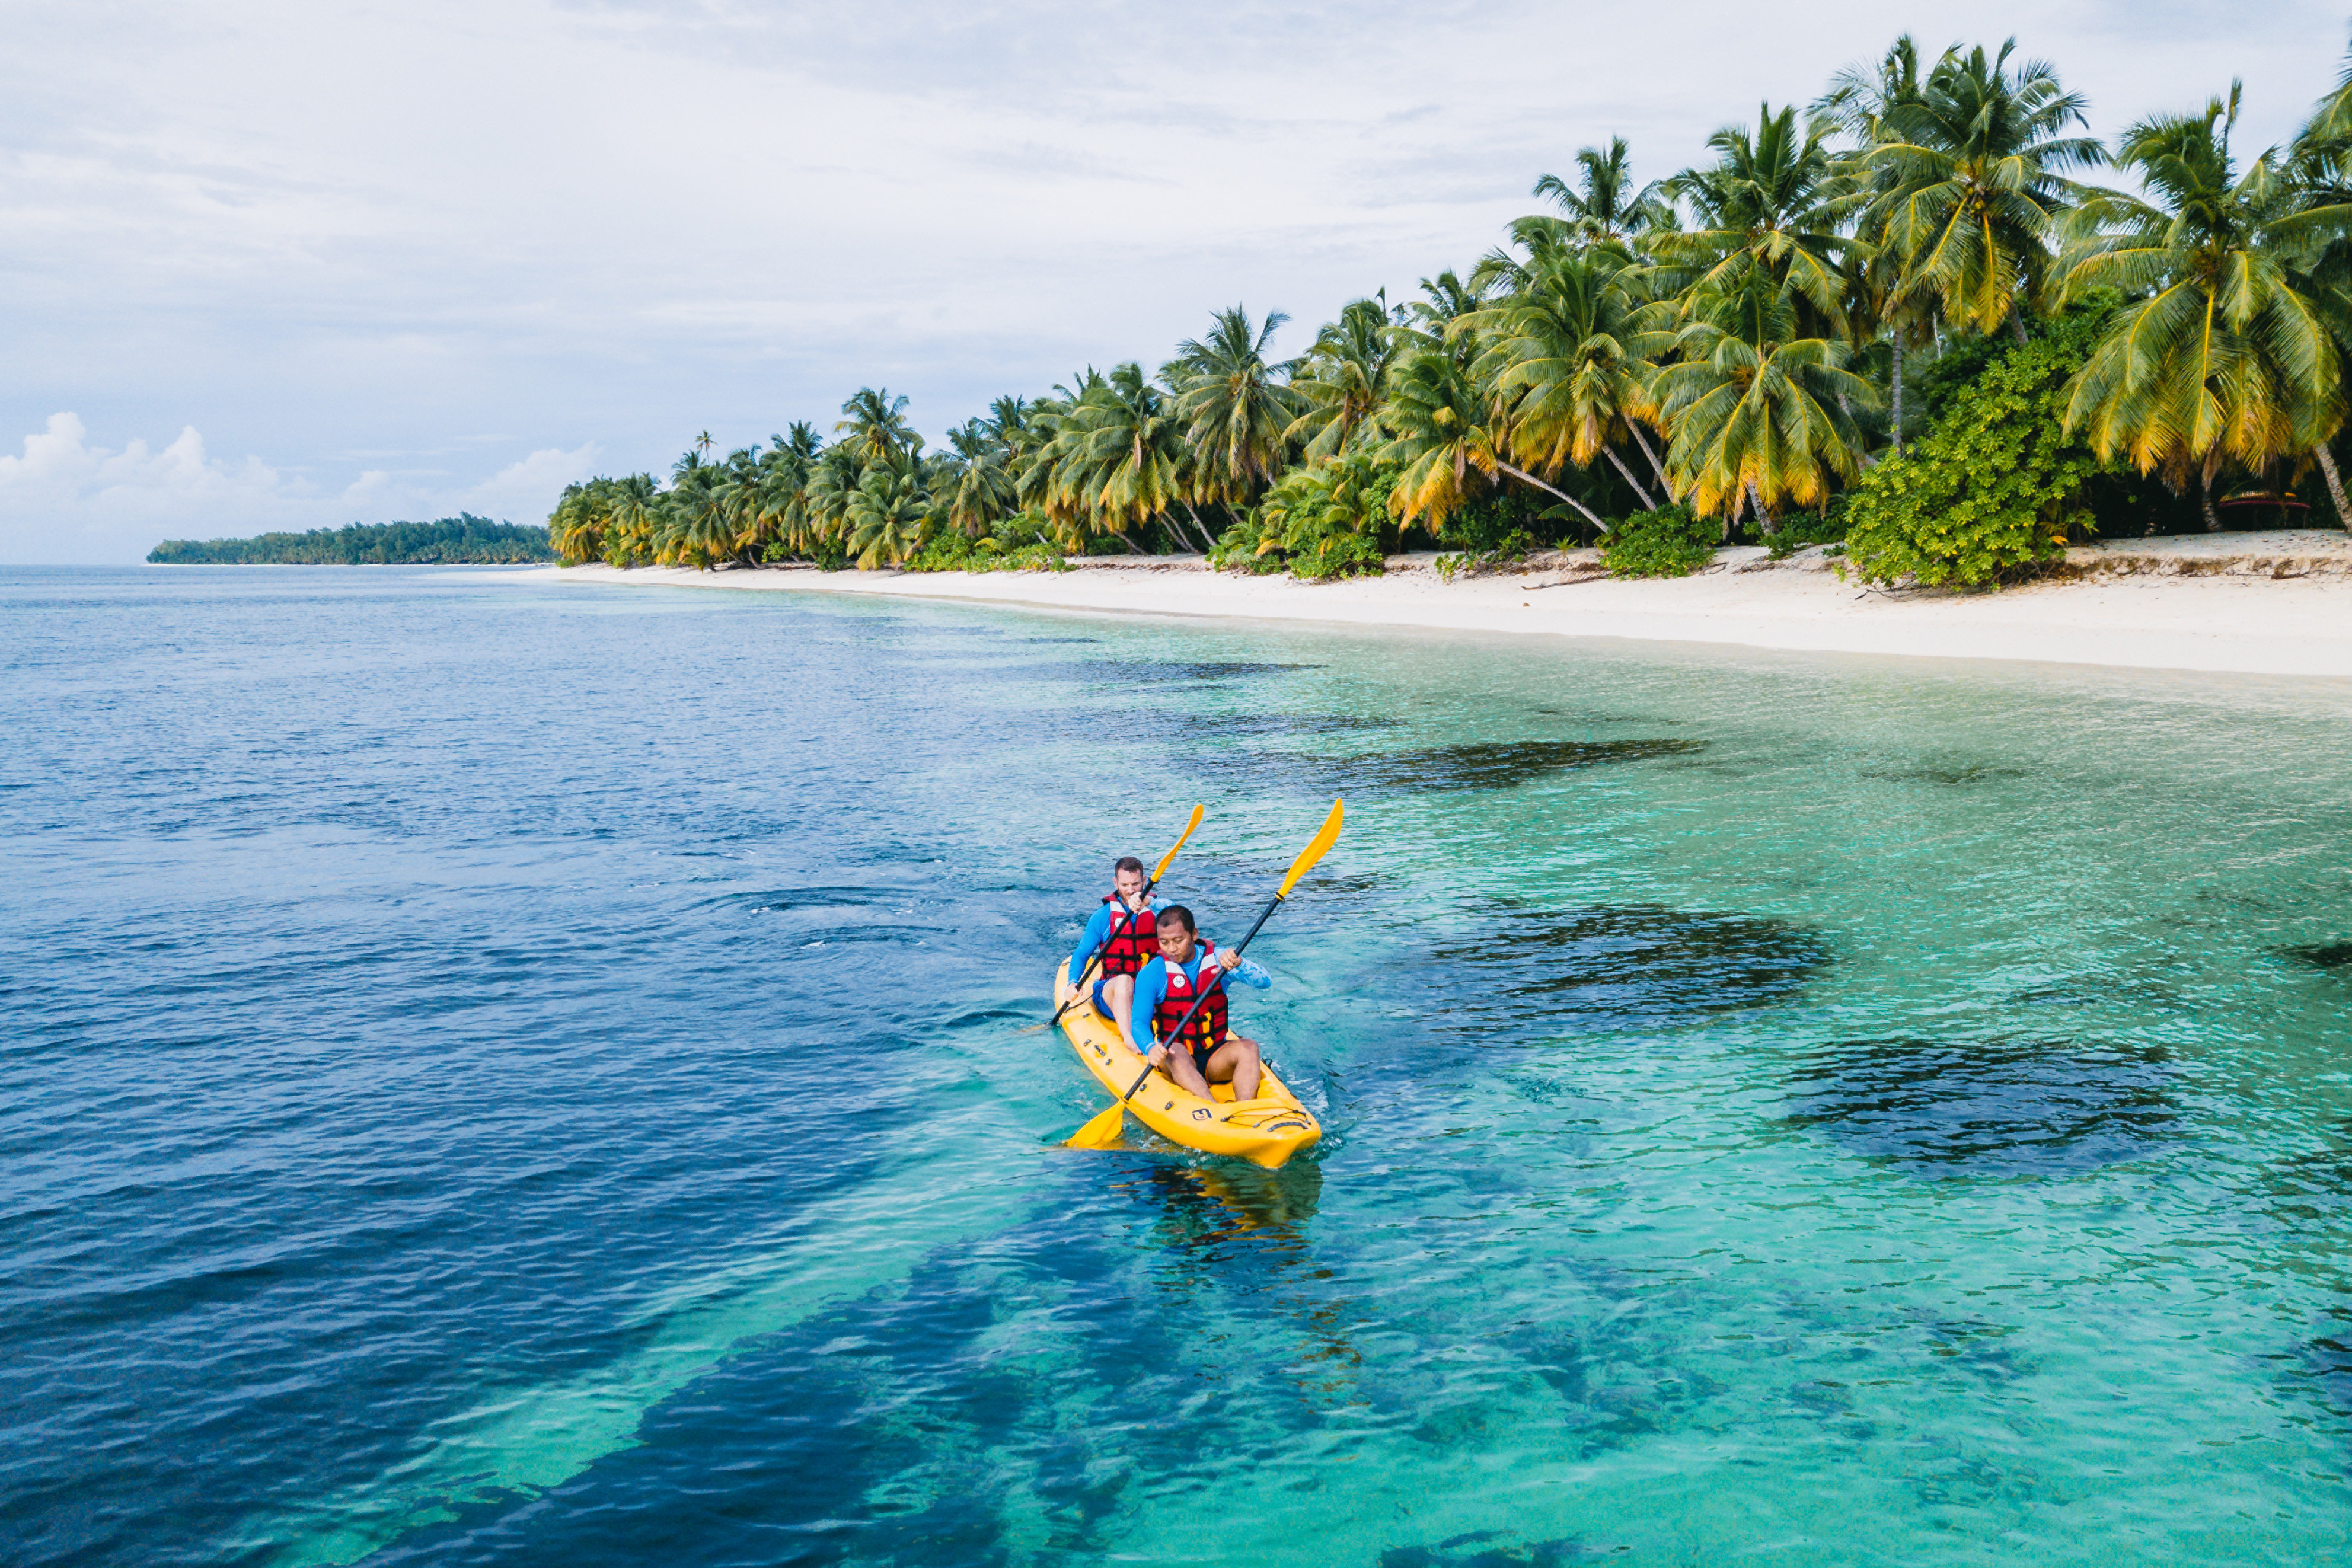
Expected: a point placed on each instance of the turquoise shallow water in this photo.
(498, 1071)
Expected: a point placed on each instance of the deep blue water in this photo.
(500, 1071)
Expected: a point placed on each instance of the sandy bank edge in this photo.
(2255, 604)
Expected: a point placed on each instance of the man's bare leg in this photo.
(1118, 993)
(1235, 1062)
(1186, 1075)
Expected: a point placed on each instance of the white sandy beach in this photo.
(2274, 603)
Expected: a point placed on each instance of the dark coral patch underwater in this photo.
(1641, 963)
(1500, 765)
(2000, 1107)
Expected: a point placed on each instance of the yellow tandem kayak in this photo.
(1265, 1131)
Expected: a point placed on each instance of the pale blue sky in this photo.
(285, 266)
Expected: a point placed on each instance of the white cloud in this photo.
(526, 490)
(66, 500)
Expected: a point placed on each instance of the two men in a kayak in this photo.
(1118, 942)
(1164, 992)
(1152, 962)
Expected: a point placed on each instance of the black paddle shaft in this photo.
(1217, 980)
(1096, 956)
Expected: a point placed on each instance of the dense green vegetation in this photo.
(462, 540)
(1911, 316)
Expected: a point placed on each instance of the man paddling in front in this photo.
(1165, 991)
(1120, 934)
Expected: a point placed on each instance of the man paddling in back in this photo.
(1120, 932)
(1164, 992)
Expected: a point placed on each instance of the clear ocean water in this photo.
(495, 1072)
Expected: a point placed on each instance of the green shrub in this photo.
(1025, 557)
(1338, 554)
(1990, 495)
(1244, 547)
(1669, 542)
(1491, 517)
(1321, 522)
(1799, 530)
(952, 552)
(947, 550)
(1508, 550)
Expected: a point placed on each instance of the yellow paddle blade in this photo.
(1102, 1132)
(1165, 860)
(1314, 852)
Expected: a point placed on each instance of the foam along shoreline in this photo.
(2258, 603)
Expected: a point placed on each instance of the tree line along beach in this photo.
(1925, 323)
(1921, 337)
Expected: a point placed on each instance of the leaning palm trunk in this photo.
(1845, 407)
(2205, 491)
(1619, 463)
(1763, 518)
(1656, 466)
(1199, 525)
(1590, 515)
(2335, 485)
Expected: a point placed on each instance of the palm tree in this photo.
(1571, 364)
(2329, 130)
(832, 484)
(2227, 355)
(576, 527)
(1033, 468)
(633, 512)
(1882, 298)
(1970, 184)
(1008, 426)
(685, 524)
(877, 427)
(1342, 380)
(1769, 204)
(890, 514)
(1862, 99)
(1604, 205)
(1440, 428)
(2321, 166)
(740, 507)
(1120, 454)
(1234, 401)
(979, 488)
(779, 497)
(1445, 299)
(1760, 415)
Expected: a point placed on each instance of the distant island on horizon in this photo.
(462, 540)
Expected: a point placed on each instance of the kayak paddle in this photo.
(1102, 1132)
(1157, 873)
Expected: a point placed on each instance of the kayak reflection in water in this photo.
(1118, 940)
(1165, 991)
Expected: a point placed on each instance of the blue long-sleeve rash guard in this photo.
(1151, 986)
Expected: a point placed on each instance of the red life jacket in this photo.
(1134, 939)
(1207, 1030)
